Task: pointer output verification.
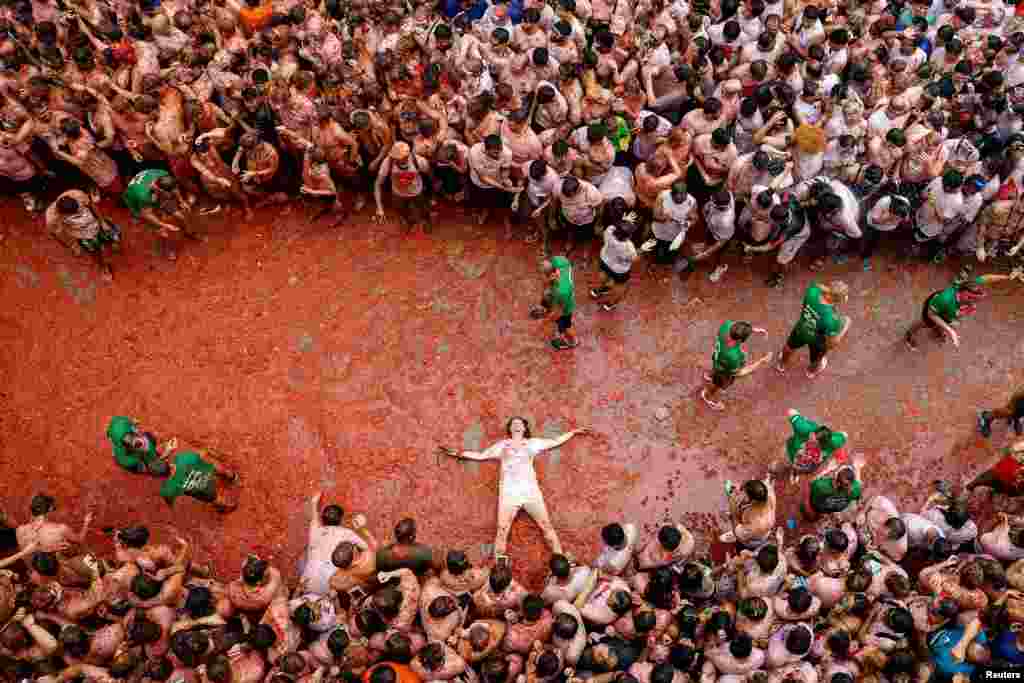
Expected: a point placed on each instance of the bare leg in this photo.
(539, 512)
(506, 515)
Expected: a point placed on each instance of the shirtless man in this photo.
(262, 162)
(566, 582)
(673, 544)
(713, 156)
(214, 173)
(258, 585)
(74, 222)
(47, 536)
(754, 517)
(617, 552)
(439, 610)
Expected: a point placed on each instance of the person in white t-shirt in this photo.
(532, 204)
(616, 262)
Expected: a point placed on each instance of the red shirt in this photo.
(404, 673)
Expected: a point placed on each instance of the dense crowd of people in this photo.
(778, 127)
(870, 593)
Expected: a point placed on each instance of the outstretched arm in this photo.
(549, 444)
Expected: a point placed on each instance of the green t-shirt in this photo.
(802, 431)
(127, 458)
(816, 317)
(563, 293)
(193, 476)
(727, 358)
(825, 498)
(620, 135)
(139, 193)
(944, 304)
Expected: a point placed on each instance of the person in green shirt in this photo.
(838, 487)
(806, 454)
(134, 449)
(819, 327)
(943, 309)
(195, 475)
(729, 360)
(154, 196)
(559, 301)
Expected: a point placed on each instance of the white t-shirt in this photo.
(539, 191)
(617, 254)
(480, 160)
(679, 216)
(721, 222)
(917, 530)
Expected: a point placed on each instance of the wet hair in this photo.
(669, 537)
(895, 528)
(799, 600)
(756, 490)
(74, 640)
(254, 570)
(159, 669)
(768, 558)
(897, 584)
(548, 664)
(387, 601)
(143, 631)
(740, 331)
(405, 531)
(199, 602)
(836, 540)
(42, 504)
(303, 615)
(45, 563)
(500, 578)
(798, 640)
(972, 575)
(839, 642)
(343, 555)
(565, 626)
(383, 673)
(533, 607)
(332, 515)
(682, 657)
(559, 566)
(263, 637)
(398, 648)
(687, 620)
(134, 536)
(620, 602)
(219, 669)
(948, 608)
(720, 621)
(570, 186)
(494, 669)
(899, 620)
(614, 536)
(844, 478)
(338, 642)
(841, 677)
(808, 548)
(741, 646)
(752, 608)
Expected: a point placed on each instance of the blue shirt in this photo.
(1005, 647)
(476, 12)
(941, 645)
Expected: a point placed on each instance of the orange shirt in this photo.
(404, 673)
(255, 19)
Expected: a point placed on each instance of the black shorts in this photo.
(617, 278)
(564, 322)
(818, 348)
(722, 380)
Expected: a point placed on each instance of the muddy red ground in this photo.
(337, 359)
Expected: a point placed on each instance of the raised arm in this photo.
(549, 444)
